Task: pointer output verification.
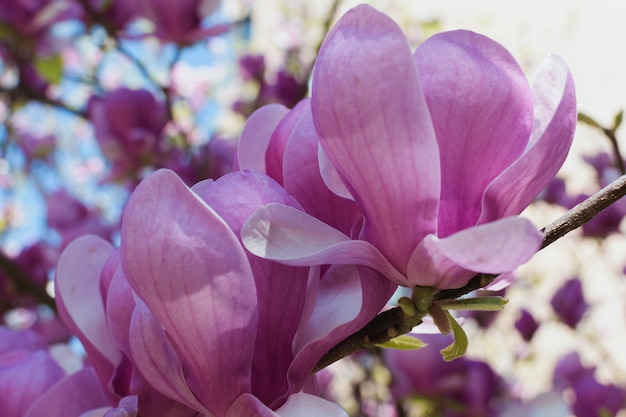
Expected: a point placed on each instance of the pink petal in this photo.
(553, 131)
(292, 237)
(77, 289)
(306, 405)
(71, 396)
(495, 247)
(192, 273)
(348, 299)
(278, 142)
(236, 196)
(27, 339)
(338, 302)
(256, 134)
(481, 107)
(119, 309)
(155, 358)
(24, 377)
(304, 181)
(374, 125)
(281, 289)
(250, 406)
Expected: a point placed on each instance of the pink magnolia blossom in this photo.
(70, 218)
(181, 313)
(439, 149)
(128, 125)
(180, 21)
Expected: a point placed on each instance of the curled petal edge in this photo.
(292, 237)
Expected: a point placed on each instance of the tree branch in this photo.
(391, 323)
(585, 211)
(23, 283)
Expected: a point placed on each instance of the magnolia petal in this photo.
(292, 237)
(331, 177)
(156, 360)
(26, 339)
(502, 281)
(481, 107)
(73, 395)
(278, 142)
(281, 289)
(374, 125)
(303, 179)
(495, 247)
(24, 377)
(120, 304)
(250, 406)
(236, 196)
(339, 301)
(191, 271)
(553, 131)
(256, 134)
(78, 298)
(349, 297)
(306, 405)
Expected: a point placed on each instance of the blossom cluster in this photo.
(403, 168)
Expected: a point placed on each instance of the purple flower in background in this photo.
(569, 303)
(36, 146)
(463, 387)
(70, 218)
(31, 18)
(526, 325)
(439, 149)
(591, 398)
(180, 21)
(284, 87)
(128, 125)
(212, 160)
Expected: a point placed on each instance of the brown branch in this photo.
(21, 94)
(391, 323)
(585, 211)
(23, 283)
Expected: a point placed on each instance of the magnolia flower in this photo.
(182, 318)
(463, 387)
(526, 325)
(439, 149)
(128, 125)
(568, 302)
(180, 21)
(590, 397)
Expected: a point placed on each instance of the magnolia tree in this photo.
(326, 260)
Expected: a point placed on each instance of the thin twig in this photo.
(585, 211)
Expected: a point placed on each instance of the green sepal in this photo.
(583, 118)
(407, 306)
(617, 121)
(50, 68)
(403, 342)
(5, 31)
(459, 346)
(494, 303)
